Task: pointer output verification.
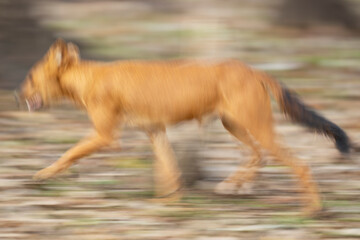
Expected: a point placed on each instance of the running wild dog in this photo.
(153, 95)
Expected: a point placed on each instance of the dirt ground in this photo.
(106, 196)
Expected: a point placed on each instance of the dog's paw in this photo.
(229, 188)
(172, 198)
(226, 188)
(245, 189)
(45, 173)
(314, 211)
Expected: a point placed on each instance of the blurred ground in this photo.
(105, 195)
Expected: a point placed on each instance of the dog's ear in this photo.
(72, 53)
(56, 52)
(64, 54)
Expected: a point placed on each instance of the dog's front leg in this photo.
(166, 172)
(105, 121)
(82, 149)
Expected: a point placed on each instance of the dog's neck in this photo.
(72, 82)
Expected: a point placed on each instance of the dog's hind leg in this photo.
(303, 174)
(264, 134)
(166, 171)
(239, 182)
(104, 121)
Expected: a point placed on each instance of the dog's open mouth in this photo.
(34, 103)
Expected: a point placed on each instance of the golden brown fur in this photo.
(152, 95)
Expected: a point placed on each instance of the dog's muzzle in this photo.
(33, 103)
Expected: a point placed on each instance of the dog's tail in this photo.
(299, 112)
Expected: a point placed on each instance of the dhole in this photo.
(152, 95)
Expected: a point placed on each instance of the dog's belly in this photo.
(148, 121)
(163, 118)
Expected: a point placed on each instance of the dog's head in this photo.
(42, 84)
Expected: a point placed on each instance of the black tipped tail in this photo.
(300, 113)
